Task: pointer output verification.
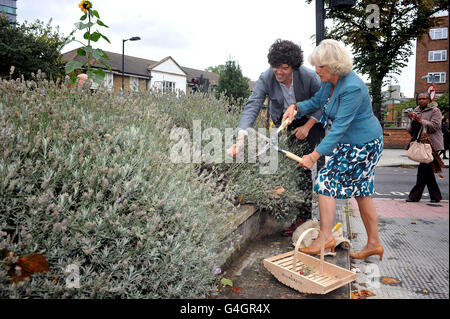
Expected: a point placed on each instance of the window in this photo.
(134, 84)
(437, 77)
(439, 33)
(168, 86)
(108, 81)
(438, 55)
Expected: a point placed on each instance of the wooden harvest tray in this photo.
(318, 276)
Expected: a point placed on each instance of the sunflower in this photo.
(85, 5)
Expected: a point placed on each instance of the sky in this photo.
(196, 34)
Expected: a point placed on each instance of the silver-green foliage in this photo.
(86, 180)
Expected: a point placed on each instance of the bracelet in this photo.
(311, 158)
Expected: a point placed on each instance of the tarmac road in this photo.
(396, 182)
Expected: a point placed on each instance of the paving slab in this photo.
(415, 264)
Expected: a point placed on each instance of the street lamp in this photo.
(320, 21)
(123, 57)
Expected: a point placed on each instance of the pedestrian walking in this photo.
(354, 142)
(426, 119)
(445, 134)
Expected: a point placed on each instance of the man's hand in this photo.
(233, 150)
(301, 132)
(290, 113)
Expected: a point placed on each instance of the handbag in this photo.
(420, 152)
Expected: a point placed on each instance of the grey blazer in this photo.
(306, 84)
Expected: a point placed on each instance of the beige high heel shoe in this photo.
(363, 255)
(307, 250)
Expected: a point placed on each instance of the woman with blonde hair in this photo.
(354, 142)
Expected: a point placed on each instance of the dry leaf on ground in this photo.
(226, 282)
(389, 281)
(236, 289)
(363, 294)
(26, 266)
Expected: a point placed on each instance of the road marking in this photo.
(397, 194)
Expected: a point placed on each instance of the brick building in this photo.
(143, 74)
(432, 58)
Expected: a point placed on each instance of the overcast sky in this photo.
(197, 34)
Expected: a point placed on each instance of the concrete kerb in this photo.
(397, 157)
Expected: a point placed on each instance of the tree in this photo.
(30, 47)
(232, 83)
(383, 48)
(442, 101)
(216, 69)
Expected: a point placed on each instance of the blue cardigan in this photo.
(350, 111)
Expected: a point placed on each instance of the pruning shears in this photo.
(273, 142)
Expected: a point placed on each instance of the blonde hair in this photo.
(334, 54)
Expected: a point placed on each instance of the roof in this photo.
(139, 66)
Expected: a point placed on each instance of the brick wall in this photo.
(423, 67)
(398, 138)
(117, 84)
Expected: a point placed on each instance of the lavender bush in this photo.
(86, 180)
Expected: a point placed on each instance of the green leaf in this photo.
(73, 65)
(82, 26)
(81, 52)
(95, 36)
(83, 17)
(97, 54)
(105, 56)
(226, 282)
(88, 49)
(104, 37)
(106, 65)
(73, 78)
(99, 22)
(99, 75)
(95, 13)
(86, 35)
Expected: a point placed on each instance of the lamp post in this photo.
(320, 21)
(123, 58)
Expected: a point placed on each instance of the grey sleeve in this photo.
(254, 104)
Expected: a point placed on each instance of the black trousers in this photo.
(315, 136)
(425, 177)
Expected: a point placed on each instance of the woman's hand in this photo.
(413, 116)
(309, 160)
(417, 118)
(290, 113)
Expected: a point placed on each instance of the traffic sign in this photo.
(432, 91)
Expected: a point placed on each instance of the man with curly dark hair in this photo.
(285, 52)
(287, 81)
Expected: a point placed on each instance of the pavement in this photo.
(415, 264)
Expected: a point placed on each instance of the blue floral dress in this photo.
(350, 170)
